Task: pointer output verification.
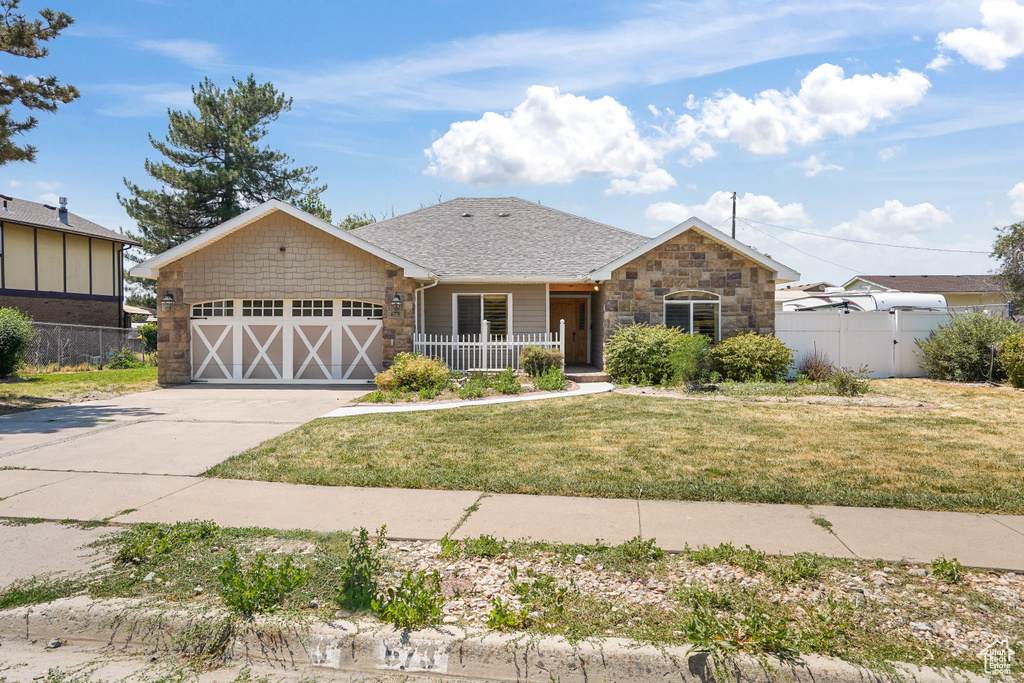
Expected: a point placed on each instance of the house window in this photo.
(262, 308)
(214, 309)
(361, 309)
(472, 309)
(694, 312)
(312, 308)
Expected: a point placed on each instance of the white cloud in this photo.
(1000, 40)
(717, 210)
(1017, 195)
(15, 183)
(49, 198)
(814, 165)
(192, 52)
(893, 222)
(51, 187)
(550, 138)
(144, 100)
(890, 153)
(940, 62)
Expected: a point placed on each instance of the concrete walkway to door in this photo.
(181, 430)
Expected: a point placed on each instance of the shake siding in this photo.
(529, 306)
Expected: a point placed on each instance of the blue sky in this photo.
(898, 123)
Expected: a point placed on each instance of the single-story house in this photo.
(57, 267)
(794, 292)
(959, 290)
(278, 295)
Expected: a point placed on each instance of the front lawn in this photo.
(963, 454)
(43, 390)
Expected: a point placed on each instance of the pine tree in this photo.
(214, 167)
(21, 38)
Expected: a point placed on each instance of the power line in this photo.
(850, 239)
(805, 253)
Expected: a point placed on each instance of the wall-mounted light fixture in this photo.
(167, 302)
(396, 305)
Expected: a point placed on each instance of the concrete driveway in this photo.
(178, 431)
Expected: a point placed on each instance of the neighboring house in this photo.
(793, 292)
(276, 294)
(959, 290)
(58, 267)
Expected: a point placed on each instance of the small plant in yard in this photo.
(504, 616)
(411, 372)
(536, 361)
(1011, 358)
(816, 365)
(950, 571)
(16, 333)
(961, 350)
(261, 587)
(691, 360)
(751, 356)
(416, 601)
(148, 333)
(123, 359)
(850, 382)
(508, 383)
(144, 542)
(640, 551)
(475, 387)
(365, 562)
(553, 379)
(642, 354)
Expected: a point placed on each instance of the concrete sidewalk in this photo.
(989, 541)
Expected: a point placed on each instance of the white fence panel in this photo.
(882, 340)
(485, 351)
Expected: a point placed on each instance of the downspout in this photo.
(416, 304)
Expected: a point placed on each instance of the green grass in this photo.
(961, 455)
(42, 390)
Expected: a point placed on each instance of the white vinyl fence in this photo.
(485, 351)
(882, 340)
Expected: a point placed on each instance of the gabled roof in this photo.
(150, 268)
(36, 215)
(503, 238)
(780, 273)
(933, 283)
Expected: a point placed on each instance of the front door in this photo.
(574, 312)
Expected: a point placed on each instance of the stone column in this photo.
(172, 340)
(398, 329)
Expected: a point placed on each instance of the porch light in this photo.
(396, 305)
(167, 302)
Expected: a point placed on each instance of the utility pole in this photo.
(734, 215)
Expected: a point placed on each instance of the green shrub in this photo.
(642, 354)
(148, 334)
(752, 356)
(553, 379)
(16, 333)
(508, 383)
(536, 361)
(640, 551)
(950, 571)
(691, 359)
(850, 382)
(504, 617)
(413, 372)
(261, 587)
(1011, 357)
(416, 601)
(365, 562)
(474, 388)
(123, 359)
(959, 351)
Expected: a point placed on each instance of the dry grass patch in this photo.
(962, 455)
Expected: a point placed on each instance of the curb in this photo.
(341, 649)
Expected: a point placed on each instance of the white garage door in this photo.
(286, 340)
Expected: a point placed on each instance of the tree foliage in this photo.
(214, 167)
(312, 204)
(22, 37)
(1009, 251)
(356, 220)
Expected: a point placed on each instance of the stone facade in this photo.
(172, 337)
(691, 261)
(398, 329)
(73, 311)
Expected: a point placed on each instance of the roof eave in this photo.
(71, 230)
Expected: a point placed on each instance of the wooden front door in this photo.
(574, 312)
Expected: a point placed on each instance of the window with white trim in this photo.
(694, 312)
(472, 309)
(361, 309)
(312, 308)
(214, 309)
(262, 308)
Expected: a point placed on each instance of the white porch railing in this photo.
(485, 351)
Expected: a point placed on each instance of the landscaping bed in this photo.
(722, 600)
(962, 455)
(45, 390)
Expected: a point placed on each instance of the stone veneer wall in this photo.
(398, 329)
(636, 292)
(172, 336)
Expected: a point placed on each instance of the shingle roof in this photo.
(936, 283)
(501, 237)
(38, 215)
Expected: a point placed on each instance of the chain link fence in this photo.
(62, 344)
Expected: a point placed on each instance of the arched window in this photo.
(694, 312)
